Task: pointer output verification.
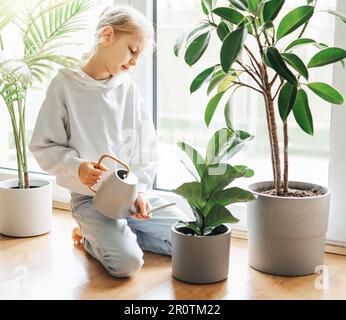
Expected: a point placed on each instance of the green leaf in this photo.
(8, 10)
(195, 31)
(239, 4)
(296, 63)
(234, 146)
(48, 21)
(228, 196)
(265, 26)
(302, 112)
(215, 80)
(211, 107)
(293, 20)
(246, 23)
(194, 156)
(215, 145)
(278, 64)
(225, 143)
(229, 14)
(198, 217)
(226, 83)
(299, 42)
(326, 92)
(188, 35)
(327, 56)
(178, 43)
(271, 9)
(228, 114)
(217, 216)
(231, 48)
(201, 79)
(253, 4)
(223, 30)
(196, 49)
(287, 97)
(209, 5)
(204, 8)
(193, 226)
(217, 176)
(193, 192)
(337, 14)
(245, 171)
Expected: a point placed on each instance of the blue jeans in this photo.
(118, 244)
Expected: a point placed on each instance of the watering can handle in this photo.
(115, 159)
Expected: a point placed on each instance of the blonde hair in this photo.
(125, 20)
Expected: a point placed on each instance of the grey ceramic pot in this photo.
(286, 235)
(201, 259)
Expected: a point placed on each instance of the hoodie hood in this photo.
(77, 74)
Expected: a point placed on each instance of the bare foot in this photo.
(77, 237)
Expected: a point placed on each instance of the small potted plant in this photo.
(201, 248)
(26, 204)
(287, 223)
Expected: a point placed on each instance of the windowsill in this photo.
(61, 201)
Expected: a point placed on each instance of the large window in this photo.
(82, 41)
(180, 116)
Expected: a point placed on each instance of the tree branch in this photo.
(254, 61)
(249, 86)
(250, 73)
(277, 91)
(306, 23)
(252, 56)
(273, 80)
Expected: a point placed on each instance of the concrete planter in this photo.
(25, 212)
(201, 259)
(286, 236)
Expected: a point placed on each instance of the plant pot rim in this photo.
(203, 236)
(32, 183)
(252, 187)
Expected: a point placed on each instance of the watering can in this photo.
(118, 192)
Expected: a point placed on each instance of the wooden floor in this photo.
(51, 267)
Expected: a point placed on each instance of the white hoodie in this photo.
(82, 118)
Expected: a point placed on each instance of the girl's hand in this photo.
(142, 206)
(90, 172)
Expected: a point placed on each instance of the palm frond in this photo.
(63, 60)
(52, 20)
(14, 71)
(9, 9)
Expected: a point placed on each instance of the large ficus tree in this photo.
(44, 26)
(275, 71)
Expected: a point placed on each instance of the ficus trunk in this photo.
(272, 128)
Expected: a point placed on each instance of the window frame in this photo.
(337, 153)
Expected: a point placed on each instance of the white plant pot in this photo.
(287, 235)
(25, 212)
(201, 259)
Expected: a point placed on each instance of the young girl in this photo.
(96, 109)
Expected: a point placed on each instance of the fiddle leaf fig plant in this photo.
(272, 68)
(209, 195)
(44, 25)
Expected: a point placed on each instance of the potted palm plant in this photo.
(26, 204)
(287, 223)
(208, 198)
